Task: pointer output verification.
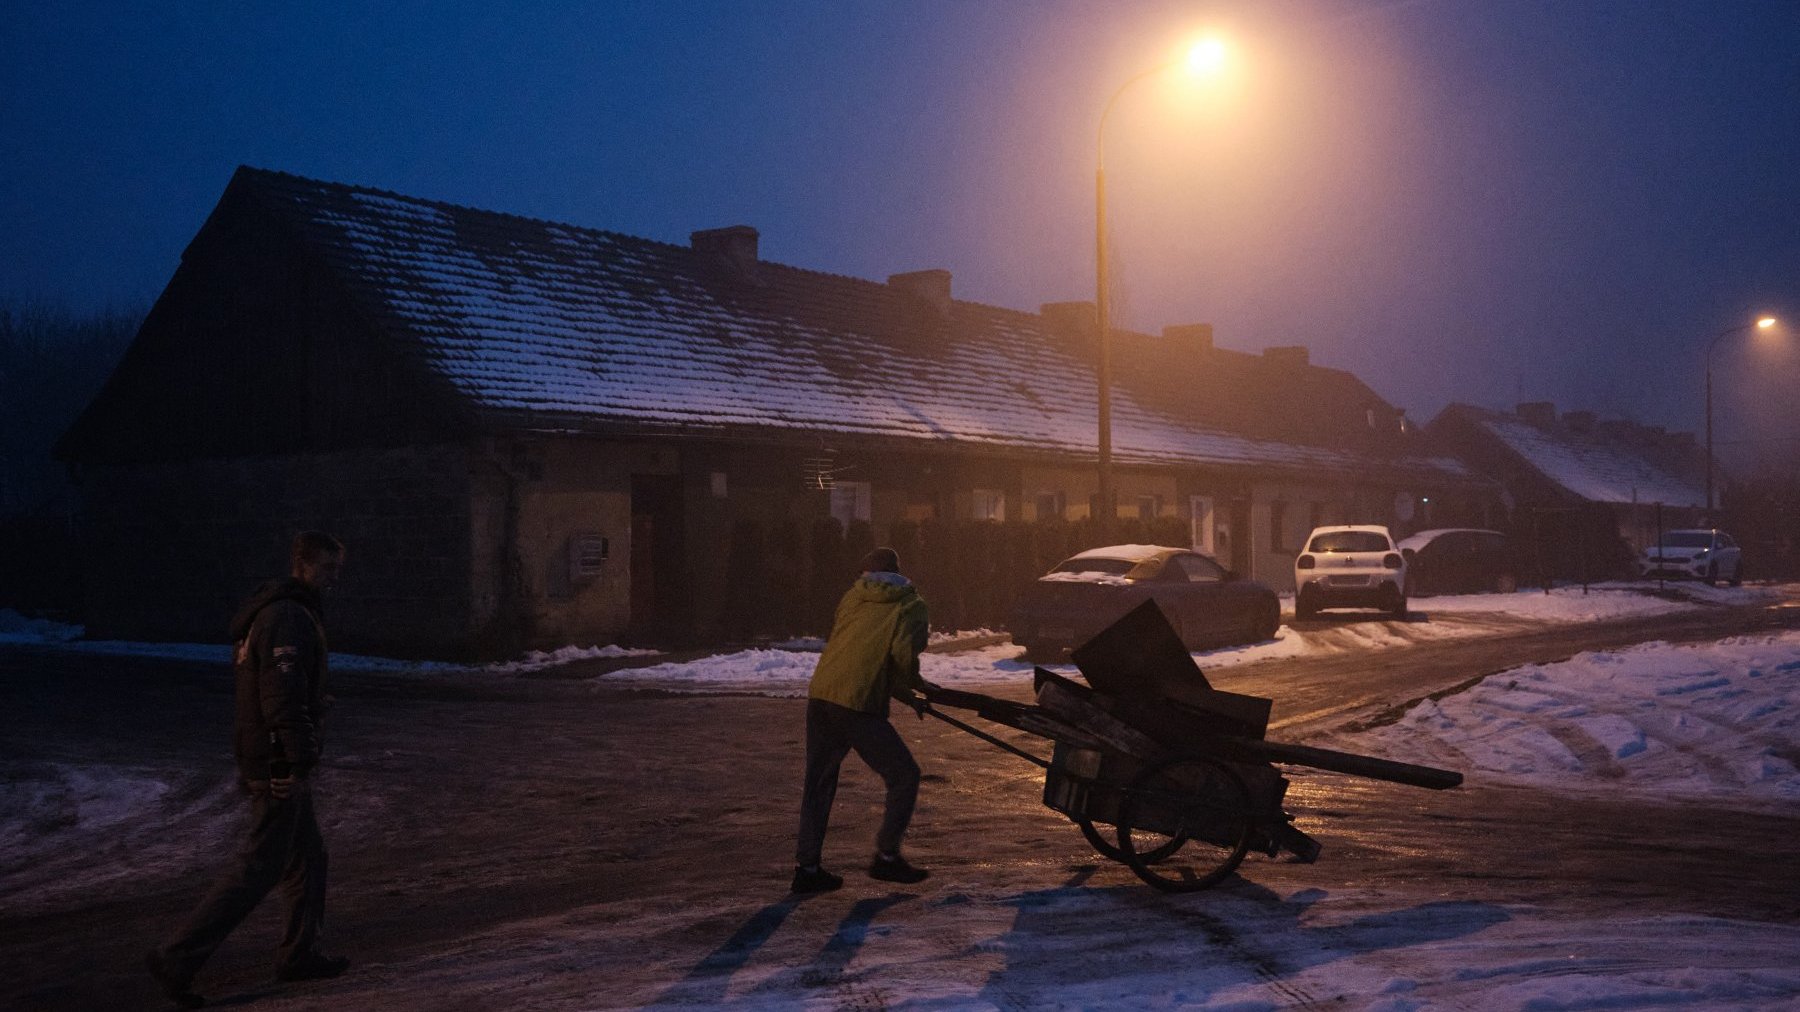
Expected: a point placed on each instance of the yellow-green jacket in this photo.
(873, 653)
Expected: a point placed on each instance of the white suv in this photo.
(1709, 555)
(1354, 566)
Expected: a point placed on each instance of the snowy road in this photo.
(1626, 838)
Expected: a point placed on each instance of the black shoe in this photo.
(176, 990)
(316, 966)
(895, 869)
(818, 880)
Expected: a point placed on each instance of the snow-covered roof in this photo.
(549, 325)
(1601, 465)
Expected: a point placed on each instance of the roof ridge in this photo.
(253, 170)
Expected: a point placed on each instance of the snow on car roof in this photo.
(1133, 553)
(1064, 576)
(1423, 538)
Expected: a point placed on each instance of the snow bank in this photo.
(1600, 602)
(1715, 720)
(16, 628)
(784, 673)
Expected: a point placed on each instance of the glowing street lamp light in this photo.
(1763, 323)
(1206, 57)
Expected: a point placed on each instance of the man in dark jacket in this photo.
(281, 662)
(871, 656)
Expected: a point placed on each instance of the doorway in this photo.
(660, 594)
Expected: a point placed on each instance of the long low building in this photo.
(532, 433)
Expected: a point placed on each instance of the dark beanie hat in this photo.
(881, 560)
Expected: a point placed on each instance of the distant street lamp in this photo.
(1205, 57)
(1762, 324)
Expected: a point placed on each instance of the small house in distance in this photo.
(532, 434)
(1581, 481)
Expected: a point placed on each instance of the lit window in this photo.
(988, 504)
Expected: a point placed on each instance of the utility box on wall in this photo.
(587, 556)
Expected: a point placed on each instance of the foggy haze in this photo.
(1457, 202)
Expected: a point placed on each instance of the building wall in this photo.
(174, 547)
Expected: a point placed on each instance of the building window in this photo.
(1149, 507)
(1278, 526)
(988, 504)
(718, 484)
(850, 502)
(1052, 505)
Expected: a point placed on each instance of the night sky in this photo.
(1473, 201)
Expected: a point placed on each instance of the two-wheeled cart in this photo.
(1177, 770)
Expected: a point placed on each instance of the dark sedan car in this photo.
(1207, 604)
(1460, 561)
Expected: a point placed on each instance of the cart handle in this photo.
(984, 736)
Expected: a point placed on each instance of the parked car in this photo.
(1459, 560)
(1207, 604)
(1349, 566)
(1709, 555)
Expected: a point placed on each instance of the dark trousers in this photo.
(285, 849)
(831, 732)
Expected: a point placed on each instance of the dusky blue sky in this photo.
(1473, 201)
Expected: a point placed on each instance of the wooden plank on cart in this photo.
(1339, 762)
(1075, 705)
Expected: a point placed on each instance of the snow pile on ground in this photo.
(16, 628)
(1600, 602)
(69, 829)
(1710, 720)
(784, 673)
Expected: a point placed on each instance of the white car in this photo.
(1353, 566)
(1709, 555)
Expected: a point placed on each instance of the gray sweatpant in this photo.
(831, 732)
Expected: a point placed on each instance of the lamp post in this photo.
(1762, 324)
(1203, 57)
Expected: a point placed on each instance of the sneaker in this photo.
(895, 869)
(173, 988)
(815, 880)
(314, 966)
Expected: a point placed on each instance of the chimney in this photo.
(932, 287)
(732, 248)
(1579, 421)
(1540, 413)
(1192, 336)
(1071, 319)
(1293, 356)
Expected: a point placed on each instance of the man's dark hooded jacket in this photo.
(281, 666)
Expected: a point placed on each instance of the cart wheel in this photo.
(1105, 847)
(1180, 801)
(1111, 851)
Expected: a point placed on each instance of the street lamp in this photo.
(1762, 324)
(1204, 57)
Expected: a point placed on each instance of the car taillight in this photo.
(1391, 560)
(1305, 562)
